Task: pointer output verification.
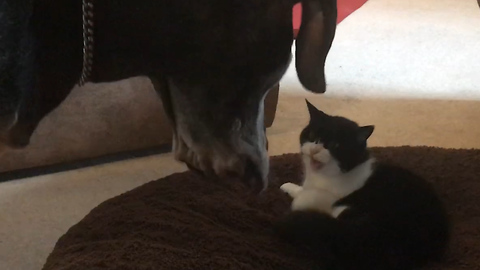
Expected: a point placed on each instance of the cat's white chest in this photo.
(321, 189)
(341, 184)
(334, 185)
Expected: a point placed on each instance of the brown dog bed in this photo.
(186, 222)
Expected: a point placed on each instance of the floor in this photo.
(410, 67)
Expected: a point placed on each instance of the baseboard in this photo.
(74, 165)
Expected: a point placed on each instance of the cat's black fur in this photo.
(395, 221)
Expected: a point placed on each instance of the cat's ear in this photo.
(364, 133)
(313, 111)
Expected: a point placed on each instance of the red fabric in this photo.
(345, 8)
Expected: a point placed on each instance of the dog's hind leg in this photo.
(49, 66)
(16, 57)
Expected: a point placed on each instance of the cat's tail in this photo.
(316, 230)
(309, 228)
(336, 242)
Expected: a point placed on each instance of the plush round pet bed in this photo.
(186, 222)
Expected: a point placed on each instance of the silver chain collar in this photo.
(87, 16)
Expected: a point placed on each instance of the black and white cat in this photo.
(365, 214)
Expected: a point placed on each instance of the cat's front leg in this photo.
(313, 199)
(291, 189)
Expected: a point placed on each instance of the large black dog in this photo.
(212, 61)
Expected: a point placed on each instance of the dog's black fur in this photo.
(212, 61)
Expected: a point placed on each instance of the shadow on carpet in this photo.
(186, 222)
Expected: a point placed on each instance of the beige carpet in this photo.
(405, 49)
(35, 212)
(409, 67)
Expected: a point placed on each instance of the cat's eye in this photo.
(333, 145)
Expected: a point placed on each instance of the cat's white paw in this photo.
(291, 189)
(336, 211)
(288, 186)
